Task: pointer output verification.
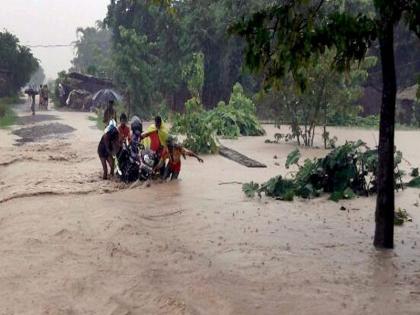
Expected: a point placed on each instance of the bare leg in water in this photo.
(111, 165)
(104, 167)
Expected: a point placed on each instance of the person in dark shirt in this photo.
(110, 113)
(107, 148)
(33, 102)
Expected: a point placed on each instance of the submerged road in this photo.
(74, 244)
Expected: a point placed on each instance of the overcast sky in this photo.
(43, 22)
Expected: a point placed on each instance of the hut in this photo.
(406, 109)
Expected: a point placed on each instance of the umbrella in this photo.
(104, 96)
(31, 91)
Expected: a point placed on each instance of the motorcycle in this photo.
(134, 164)
(128, 164)
(148, 161)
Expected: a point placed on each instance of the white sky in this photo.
(37, 22)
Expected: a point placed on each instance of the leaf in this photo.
(348, 193)
(414, 172)
(293, 158)
(250, 189)
(401, 216)
(336, 196)
(415, 182)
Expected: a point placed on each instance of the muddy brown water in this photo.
(74, 244)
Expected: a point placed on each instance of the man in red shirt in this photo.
(123, 129)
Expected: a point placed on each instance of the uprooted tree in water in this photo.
(201, 127)
(347, 171)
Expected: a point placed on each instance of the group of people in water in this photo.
(156, 138)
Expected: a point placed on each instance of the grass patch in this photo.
(98, 115)
(7, 115)
(97, 118)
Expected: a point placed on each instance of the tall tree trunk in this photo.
(325, 126)
(128, 102)
(385, 204)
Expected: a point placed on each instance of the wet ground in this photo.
(41, 132)
(74, 244)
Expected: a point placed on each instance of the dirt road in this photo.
(74, 244)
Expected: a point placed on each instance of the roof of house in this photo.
(409, 93)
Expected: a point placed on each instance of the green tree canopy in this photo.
(93, 51)
(174, 32)
(17, 61)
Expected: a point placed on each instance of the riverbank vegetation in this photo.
(7, 114)
(162, 55)
(17, 64)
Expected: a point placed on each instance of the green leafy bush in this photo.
(199, 133)
(231, 120)
(236, 118)
(371, 121)
(415, 182)
(223, 119)
(347, 171)
(7, 115)
(401, 216)
(414, 172)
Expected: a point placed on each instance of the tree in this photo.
(330, 97)
(18, 61)
(146, 50)
(290, 36)
(134, 68)
(175, 31)
(193, 73)
(93, 51)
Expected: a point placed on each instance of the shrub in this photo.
(347, 171)
(231, 120)
(199, 133)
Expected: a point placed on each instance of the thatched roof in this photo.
(409, 93)
(90, 79)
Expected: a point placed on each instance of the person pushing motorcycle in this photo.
(155, 136)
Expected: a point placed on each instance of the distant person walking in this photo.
(40, 97)
(110, 114)
(32, 95)
(45, 96)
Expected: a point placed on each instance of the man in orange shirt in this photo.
(153, 135)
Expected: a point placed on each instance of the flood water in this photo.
(74, 244)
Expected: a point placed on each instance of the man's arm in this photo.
(147, 134)
(191, 153)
